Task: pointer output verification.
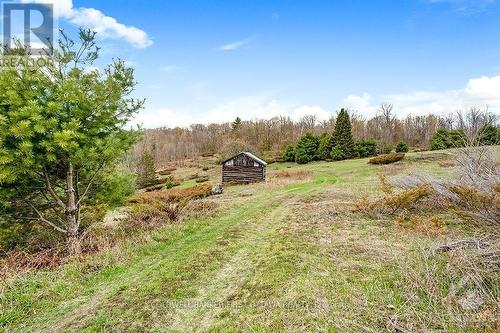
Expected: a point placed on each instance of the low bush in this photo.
(387, 158)
(383, 148)
(166, 171)
(476, 204)
(402, 147)
(169, 183)
(116, 189)
(393, 202)
(202, 179)
(365, 148)
(337, 154)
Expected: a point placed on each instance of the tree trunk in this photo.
(73, 241)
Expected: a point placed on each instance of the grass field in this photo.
(285, 255)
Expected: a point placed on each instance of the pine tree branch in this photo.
(91, 181)
(43, 219)
(52, 192)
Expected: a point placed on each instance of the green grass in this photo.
(283, 257)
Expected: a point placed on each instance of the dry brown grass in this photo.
(172, 195)
(428, 225)
(299, 174)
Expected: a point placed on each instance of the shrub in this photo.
(337, 154)
(402, 147)
(383, 148)
(166, 171)
(289, 154)
(405, 199)
(365, 148)
(393, 202)
(387, 158)
(202, 179)
(117, 188)
(489, 135)
(205, 168)
(440, 140)
(477, 204)
(444, 139)
(301, 156)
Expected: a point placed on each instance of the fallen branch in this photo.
(463, 243)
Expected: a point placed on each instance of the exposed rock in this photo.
(217, 189)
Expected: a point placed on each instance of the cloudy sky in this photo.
(210, 61)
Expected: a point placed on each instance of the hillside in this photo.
(289, 255)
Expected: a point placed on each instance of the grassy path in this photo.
(197, 264)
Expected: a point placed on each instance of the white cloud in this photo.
(308, 110)
(361, 103)
(236, 45)
(105, 26)
(480, 92)
(257, 106)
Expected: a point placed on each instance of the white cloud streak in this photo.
(237, 44)
(106, 26)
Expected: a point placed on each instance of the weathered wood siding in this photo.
(243, 174)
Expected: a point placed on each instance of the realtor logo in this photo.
(31, 23)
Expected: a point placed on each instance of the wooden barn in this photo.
(243, 168)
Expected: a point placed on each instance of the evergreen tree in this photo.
(289, 154)
(307, 148)
(489, 135)
(236, 124)
(146, 171)
(61, 128)
(342, 142)
(324, 148)
(440, 140)
(402, 147)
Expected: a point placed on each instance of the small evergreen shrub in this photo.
(289, 154)
(402, 147)
(117, 188)
(387, 158)
(338, 154)
(489, 135)
(444, 139)
(383, 148)
(365, 148)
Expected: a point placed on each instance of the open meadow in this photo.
(295, 253)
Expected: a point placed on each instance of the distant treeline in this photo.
(269, 138)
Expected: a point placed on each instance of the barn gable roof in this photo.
(252, 156)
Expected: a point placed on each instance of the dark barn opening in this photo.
(243, 168)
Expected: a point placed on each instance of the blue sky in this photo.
(204, 61)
